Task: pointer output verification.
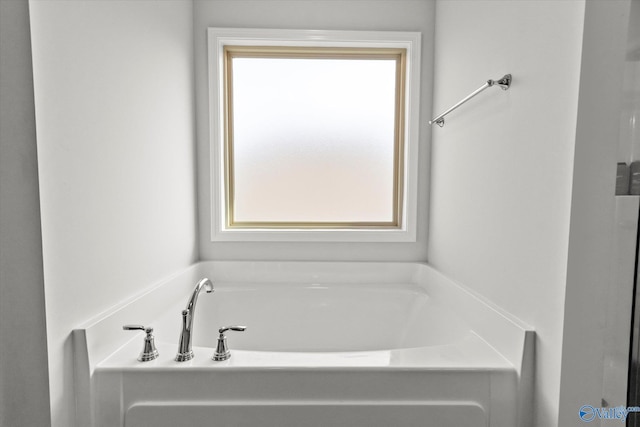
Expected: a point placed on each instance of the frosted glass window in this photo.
(313, 137)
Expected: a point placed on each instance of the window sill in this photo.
(324, 235)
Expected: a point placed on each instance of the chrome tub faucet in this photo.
(184, 347)
(222, 350)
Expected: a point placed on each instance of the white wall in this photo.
(591, 235)
(506, 218)
(23, 353)
(114, 104)
(629, 141)
(115, 129)
(385, 15)
(502, 165)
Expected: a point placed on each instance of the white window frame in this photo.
(218, 38)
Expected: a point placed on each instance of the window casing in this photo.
(226, 46)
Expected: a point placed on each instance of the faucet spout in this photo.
(185, 351)
(202, 284)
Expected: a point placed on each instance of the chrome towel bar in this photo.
(504, 83)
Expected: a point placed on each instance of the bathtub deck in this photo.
(470, 353)
(460, 383)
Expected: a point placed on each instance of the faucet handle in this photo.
(137, 328)
(222, 351)
(149, 351)
(231, 328)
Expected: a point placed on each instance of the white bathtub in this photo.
(327, 344)
(325, 317)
